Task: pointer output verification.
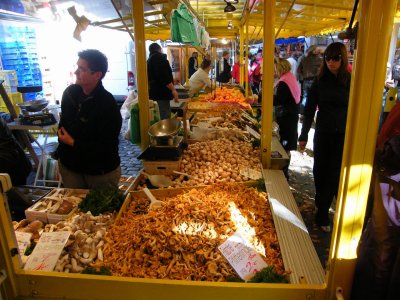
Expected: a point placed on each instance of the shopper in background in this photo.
(286, 100)
(330, 93)
(89, 128)
(293, 63)
(224, 68)
(161, 82)
(200, 79)
(236, 71)
(254, 74)
(193, 64)
(307, 70)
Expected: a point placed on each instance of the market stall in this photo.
(294, 239)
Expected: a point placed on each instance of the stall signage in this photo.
(242, 256)
(250, 173)
(253, 132)
(23, 240)
(47, 251)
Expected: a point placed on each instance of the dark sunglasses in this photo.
(333, 58)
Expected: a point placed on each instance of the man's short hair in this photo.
(205, 64)
(154, 47)
(97, 61)
(225, 53)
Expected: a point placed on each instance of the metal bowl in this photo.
(165, 128)
(33, 106)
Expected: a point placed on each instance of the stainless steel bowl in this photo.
(33, 106)
(165, 128)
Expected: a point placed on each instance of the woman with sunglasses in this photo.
(330, 93)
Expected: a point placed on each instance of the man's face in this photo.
(84, 75)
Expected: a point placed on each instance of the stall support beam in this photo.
(141, 71)
(361, 132)
(246, 61)
(267, 82)
(241, 58)
(8, 287)
(186, 65)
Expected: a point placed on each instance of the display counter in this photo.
(306, 273)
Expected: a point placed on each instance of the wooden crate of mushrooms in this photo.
(217, 161)
(180, 239)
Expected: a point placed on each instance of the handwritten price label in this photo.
(250, 173)
(242, 256)
(253, 132)
(23, 240)
(47, 251)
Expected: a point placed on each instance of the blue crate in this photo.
(10, 56)
(7, 45)
(5, 51)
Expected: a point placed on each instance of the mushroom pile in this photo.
(180, 239)
(218, 161)
(85, 244)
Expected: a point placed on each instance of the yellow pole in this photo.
(246, 61)
(267, 82)
(241, 48)
(361, 131)
(186, 66)
(141, 71)
(8, 262)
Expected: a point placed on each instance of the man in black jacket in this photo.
(193, 64)
(161, 84)
(89, 127)
(224, 69)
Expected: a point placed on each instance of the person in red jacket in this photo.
(236, 71)
(255, 75)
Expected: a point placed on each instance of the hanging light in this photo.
(229, 7)
(230, 26)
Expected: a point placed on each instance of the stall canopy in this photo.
(294, 18)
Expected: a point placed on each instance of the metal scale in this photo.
(35, 113)
(165, 143)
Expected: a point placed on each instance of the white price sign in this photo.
(23, 240)
(242, 256)
(253, 132)
(47, 251)
(250, 173)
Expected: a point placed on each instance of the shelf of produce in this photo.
(298, 253)
(297, 249)
(46, 285)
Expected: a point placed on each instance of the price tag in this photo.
(23, 240)
(253, 132)
(242, 256)
(250, 173)
(47, 251)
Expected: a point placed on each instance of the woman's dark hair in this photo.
(96, 60)
(205, 64)
(332, 50)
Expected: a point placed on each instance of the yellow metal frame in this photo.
(365, 104)
(362, 128)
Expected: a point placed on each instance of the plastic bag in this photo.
(130, 101)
